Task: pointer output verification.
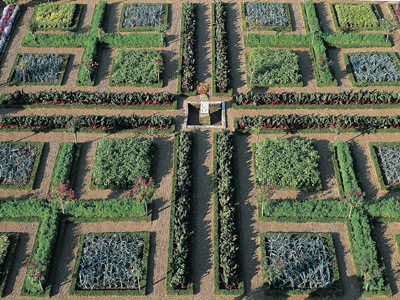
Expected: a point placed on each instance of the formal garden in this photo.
(199, 150)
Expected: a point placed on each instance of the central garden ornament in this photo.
(205, 116)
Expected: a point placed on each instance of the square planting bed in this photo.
(8, 245)
(266, 16)
(111, 264)
(217, 115)
(287, 164)
(137, 68)
(57, 16)
(143, 16)
(38, 69)
(386, 159)
(19, 162)
(355, 16)
(299, 263)
(373, 68)
(267, 67)
(118, 162)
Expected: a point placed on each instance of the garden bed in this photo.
(19, 163)
(129, 257)
(385, 156)
(38, 69)
(355, 16)
(57, 16)
(8, 21)
(272, 68)
(266, 16)
(287, 164)
(373, 68)
(143, 16)
(137, 68)
(119, 162)
(304, 264)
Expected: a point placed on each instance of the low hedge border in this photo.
(180, 59)
(16, 20)
(72, 172)
(379, 174)
(8, 259)
(139, 29)
(30, 184)
(133, 40)
(335, 289)
(316, 71)
(336, 169)
(312, 106)
(73, 290)
(304, 17)
(213, 46)
(284, 188)
(173, 106)
(63, 67)
(279, 40)
(338, 28)
(72, 27)
(217, 289)
(190, 258)
(67, 40)
(245, 26)
(354, 82)
(356, 40)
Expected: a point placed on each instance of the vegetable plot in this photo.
(287, 164)
(272, 16)
(143, 15)
(118, 162)
(111, 262)
(17, 162)
(389, 158)
(355, 16)
(56, 16)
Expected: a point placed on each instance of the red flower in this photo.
(32, 264)
(39, 274)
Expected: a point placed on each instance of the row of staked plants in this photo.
(187, 52)
(221, 71)
(227, 279)
(81, 99)
(291, 100)
(294, 122)
(87, 122)
(180, 248)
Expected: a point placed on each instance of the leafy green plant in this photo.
(354, 16)
(272, 67)
(263, 15)
(144, 191)
(55, 16)
(287, 164)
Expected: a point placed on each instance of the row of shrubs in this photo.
(294, 122)
(93, 122)
(180, 248)
(221, 71)
(291, 99)
(83, 99)
(227, 279)
(187, 50)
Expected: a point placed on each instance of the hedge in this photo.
(182, 188)
(68, 40)
(143, 40)
(7, 260)
(387, 210)
(318, 53)
(73, 290)
(335, 289)
(280, 40)
(356, 40)
(35, 167)
(312, 19)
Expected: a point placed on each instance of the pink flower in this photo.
(32, 264)
(350, 193)
(258, 269)
(269, 197)
(345, 200)
(52, 184)
(25, 265)
(255, 196)
(262, 186)
(39, 274)
(64, 184)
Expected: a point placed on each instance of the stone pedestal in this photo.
(205, 117)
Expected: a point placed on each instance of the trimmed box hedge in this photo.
(7, 259)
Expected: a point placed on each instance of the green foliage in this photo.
(10, 2)
(118, 162)
(266, 16)
(136, 68)
(8, 245)
(279, 40)
(70, 40)
(143, 40)
(272, 67)
(321, 63)
(227, 279)
(56, 16)
(98, 17)
(187, 51)
(287, 164)
(355, 16)
(356, 40)
(141, 17)
(66, 159)
(180, 246)
(221, 71)
(346, 166)
(312, 19)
